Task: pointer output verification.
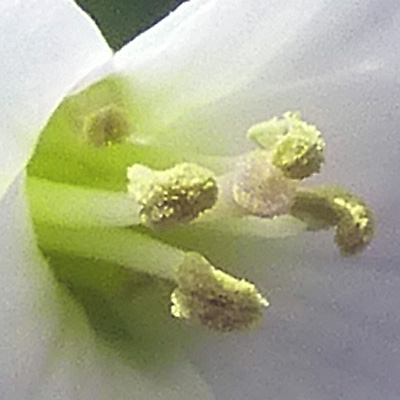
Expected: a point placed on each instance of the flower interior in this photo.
(114, 214)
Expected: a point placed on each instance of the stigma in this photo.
(261, 189)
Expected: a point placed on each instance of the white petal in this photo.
(213, 68)
(26, 287)
(87, 372)
(46, 47)
(47, 350)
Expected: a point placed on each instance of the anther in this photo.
(174, 196)
(297, 147)
(106, 126)
(298, 156)
(324, 207)
(212, 298)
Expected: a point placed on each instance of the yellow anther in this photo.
(174, 196)
(355, 228)
(297, 147)
(298, 157)
(332, 206)
(214, 299)
(106, 126)
(266, 134)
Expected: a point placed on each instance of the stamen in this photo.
(324, 207)
(77, 206)
(212, 298)
(174, 196)
(298, 156)
(260, 188)
(106, 126)
(297, 147)
(355, 229)
(266, 134)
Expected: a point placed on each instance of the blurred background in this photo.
(121, 20)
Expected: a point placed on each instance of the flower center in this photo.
(106, 206)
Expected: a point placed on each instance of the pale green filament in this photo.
(214, 299)
(106, 126)
(77, 206)
(174, 196)
(203, 294)
(333, 206)
(132, 250)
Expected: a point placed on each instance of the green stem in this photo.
(76, 206)
(125, 247)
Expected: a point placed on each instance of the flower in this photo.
(332, 328)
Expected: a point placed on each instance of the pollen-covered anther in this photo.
(356, 228)
(212, 298)
(106, 126)
(260, 189)
(324, 207)
(297, 147)
(267, 133)
(174, 196)
(298, 156)
(300, 152)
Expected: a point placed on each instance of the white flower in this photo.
(217, 67)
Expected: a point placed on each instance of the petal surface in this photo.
(46, 47)
(47, 350)
(26, 287)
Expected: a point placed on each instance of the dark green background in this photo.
(121, 20)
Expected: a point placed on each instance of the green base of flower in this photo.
(63, 154)
(96, 263)
(128, 311)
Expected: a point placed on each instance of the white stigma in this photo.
(258, 188)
